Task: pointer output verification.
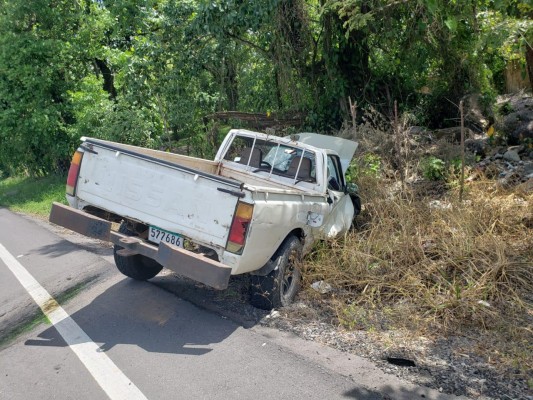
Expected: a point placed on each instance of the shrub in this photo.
(433, 168)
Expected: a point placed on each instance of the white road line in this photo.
(110, 378)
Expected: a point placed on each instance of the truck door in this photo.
(341, 212)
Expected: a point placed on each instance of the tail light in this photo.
(239, 227)
(73, 172)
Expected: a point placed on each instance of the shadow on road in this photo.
(64, 247)
(138, 313)
(388, 392)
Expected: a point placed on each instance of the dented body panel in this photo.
(287, 183)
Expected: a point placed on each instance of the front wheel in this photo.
(279, 287)
(137, 266)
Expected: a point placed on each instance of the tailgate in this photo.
(160, 193)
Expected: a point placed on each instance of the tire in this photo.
(356, 200)
(138, 267)
(279, 288)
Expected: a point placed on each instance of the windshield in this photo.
(273, 158)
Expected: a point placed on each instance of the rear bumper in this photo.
(181, 261)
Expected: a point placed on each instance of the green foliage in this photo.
(367, 165)
(437, 169)
(433, 168)
(34, 78)
(32, 195)
(505, 108)
(148, 73)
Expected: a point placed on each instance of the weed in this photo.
(34, 320)
(369, 164)
(39, 317)
(505, 109)
(433, 168)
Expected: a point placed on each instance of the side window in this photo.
(237, 147)
(335, 178)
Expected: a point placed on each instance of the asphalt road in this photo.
(112, 337)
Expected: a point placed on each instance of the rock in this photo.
(273, 314)
(437, 204)
(527, 186)
(519, 149)
(322, 287)
(523, 132)
(511, 155)
(517, 121)
(477, 117)
(476, 146)
(416, 130)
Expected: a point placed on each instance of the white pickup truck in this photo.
(257, 208)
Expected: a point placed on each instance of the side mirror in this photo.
(352, 189)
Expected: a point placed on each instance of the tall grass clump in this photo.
(454, 264)
(449, 269)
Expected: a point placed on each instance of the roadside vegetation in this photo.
(421, 262)
(32, 195)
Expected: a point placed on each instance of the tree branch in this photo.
(247, 42)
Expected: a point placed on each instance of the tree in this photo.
(36, 73)
(148, 72)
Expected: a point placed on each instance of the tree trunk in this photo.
(231, 84)
(529, 64)
(109, 79)
(279, 99)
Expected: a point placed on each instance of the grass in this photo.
(39, 317)
(32, 195)
(36, 319)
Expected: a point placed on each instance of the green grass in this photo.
(39, 318)
(36, 319)
(32, 195)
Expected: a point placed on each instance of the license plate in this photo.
(158, 235)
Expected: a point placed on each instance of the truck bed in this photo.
(173, 192)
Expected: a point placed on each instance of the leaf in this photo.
(432, 6)
(451, 23)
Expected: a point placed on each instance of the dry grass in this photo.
(455, 268)
(451, 270)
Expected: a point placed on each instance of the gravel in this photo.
(448, 364)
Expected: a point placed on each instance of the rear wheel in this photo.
(279, 288)
(137, 266)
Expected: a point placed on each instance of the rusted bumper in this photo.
(181, 261)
